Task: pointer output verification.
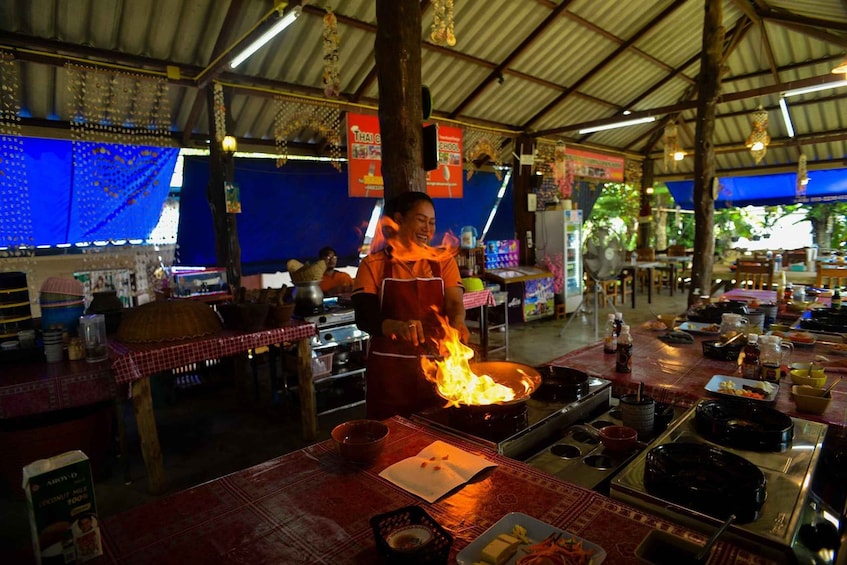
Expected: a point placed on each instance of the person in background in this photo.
(333, 282)
(394, 294)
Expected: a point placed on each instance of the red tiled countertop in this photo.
(679, 373)
(310, 506)
(38, 387)
(133, 361)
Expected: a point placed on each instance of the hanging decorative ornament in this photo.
(802, 176)
(481, 144)
(219, 111)
(562, 171)
(332, 80)
(759, 139)
(670, 141)
(442, 31)
(632, 172)
(294, 117)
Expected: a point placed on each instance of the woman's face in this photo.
(418, 225)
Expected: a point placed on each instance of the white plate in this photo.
(792, 337)
(714, 385)
(536, 530)
(698, 328)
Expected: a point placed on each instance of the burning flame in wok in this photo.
(456, 381)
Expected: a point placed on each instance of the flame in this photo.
(386, 234)
(455, 380)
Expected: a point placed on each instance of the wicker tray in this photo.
(309, 272)
(167, 320)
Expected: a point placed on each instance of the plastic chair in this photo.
(834, 277)
(757, 273)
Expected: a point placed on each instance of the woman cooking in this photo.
(394, 294)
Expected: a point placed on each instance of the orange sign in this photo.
(589, 165)
(364, 166)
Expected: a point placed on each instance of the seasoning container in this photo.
(623, 362)
(610, 340)
(750, 364)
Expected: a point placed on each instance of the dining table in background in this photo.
(312, 506)
(633, 268)
(132, 364)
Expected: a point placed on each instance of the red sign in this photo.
(589, 165)
(364, 166)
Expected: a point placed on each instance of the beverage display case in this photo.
(558, 235)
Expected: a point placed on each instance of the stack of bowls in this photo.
(15, 313)
(62, 304)
(54, 345)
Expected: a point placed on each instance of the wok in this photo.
(521, 378)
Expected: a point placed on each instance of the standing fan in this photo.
(602, 259)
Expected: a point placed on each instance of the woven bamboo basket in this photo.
(309, 273)
(167, 320)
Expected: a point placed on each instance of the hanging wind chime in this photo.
(802, 176)
(442, 31)
(332, 81)
(670, 141)
(759, 139)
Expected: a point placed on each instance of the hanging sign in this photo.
(233, 197)
(364, 153)
(590, 165)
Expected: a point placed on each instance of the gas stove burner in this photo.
(584, 437)
(565, 451)
(616, 413)
(602, 423)
(490, 422)
(561, 384)
(601, 462)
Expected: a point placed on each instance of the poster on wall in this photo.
(364, 152)
(590, 165)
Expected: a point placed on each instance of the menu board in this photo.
(364, 153)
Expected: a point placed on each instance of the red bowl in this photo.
(360, 441)
(618, 438)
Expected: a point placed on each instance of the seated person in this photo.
(334, 282)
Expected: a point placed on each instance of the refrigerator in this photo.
(529, 292)
(558, 237)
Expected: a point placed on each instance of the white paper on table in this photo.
(435, 471)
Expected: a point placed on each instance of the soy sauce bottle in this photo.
(623, 361)
(750, 364)
(610, 340)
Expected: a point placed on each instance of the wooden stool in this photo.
(561, 311)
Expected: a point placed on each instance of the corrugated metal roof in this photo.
(572, 72)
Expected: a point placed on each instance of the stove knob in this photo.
(322, 320)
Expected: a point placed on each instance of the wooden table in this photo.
(134, 363)
(311, 506)
(633, 268)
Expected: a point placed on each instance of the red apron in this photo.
(396, 384)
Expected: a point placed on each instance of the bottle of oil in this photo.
(623, 362)
(750, 363)
(835, 304)
(610, 339)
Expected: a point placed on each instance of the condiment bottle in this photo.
(770, 357)
(618, 323)
(610, 339)
(788, 293)
(836, 300)
(750, 363)
(623, 362)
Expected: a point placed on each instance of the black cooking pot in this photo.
(706, 479)
(559, 384)
(711, 313)
(744, 425)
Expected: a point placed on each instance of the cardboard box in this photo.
(62, 510)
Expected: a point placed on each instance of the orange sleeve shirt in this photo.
(334, 279)
(370, 274)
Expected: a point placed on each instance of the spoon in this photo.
(829, 388)
(704, 553)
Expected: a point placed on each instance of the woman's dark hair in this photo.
(404, 202)
(326, 251)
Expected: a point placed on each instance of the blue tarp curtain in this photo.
(109, 192)
(292, 211)
(768, 190)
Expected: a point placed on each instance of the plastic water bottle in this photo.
(623, 361)
(633, 258)
(610, 338)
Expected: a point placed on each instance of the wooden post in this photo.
(397, 50)
(221, 170)
(522, 185)
(308, 408)
(148, 436)
(645, 220)
(704, 156)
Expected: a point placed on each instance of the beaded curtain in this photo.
(294, 115)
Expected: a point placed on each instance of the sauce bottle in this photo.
(750, 363)
(623, 361)
(610, 339)
(836, 300)
(618, 323)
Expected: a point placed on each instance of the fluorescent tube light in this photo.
(620, 124)
(283, 23)
(786, 117)
(808, 89)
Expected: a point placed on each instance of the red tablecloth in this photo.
(133, 361)
(310, 506)
(478, 298)
(679, 373)
(38, 387)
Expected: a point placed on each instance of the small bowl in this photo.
(618, 438)
(801, 377)
(409, 538)
(360, 441)
(810, 399)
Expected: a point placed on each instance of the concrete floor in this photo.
(214, 429)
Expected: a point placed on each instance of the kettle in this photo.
(468, 237)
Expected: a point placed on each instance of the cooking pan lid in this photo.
(707, 479)
(744, 425)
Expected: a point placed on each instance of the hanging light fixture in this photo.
(670, 140)
(229, 145)
(758, 140)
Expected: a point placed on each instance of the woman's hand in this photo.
(406, 330)
(464, 332)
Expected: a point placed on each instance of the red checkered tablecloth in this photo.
(478, 298)
(133, 361)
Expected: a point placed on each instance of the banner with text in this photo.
(364, 151)
(590, 165)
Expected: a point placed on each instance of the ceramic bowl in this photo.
(810, 399)
(801, 377)
(360, 441)
(618, 438)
